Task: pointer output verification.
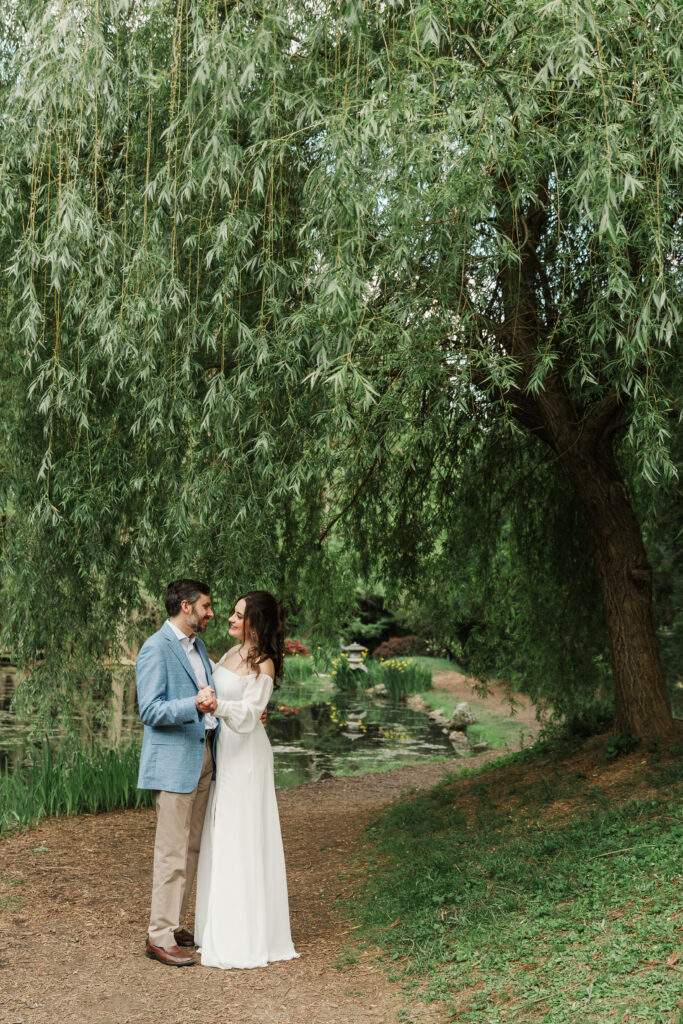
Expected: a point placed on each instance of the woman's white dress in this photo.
(242, 913)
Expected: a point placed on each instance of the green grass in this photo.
(491, 727)
(70, 780)
(438, 665)
(509, 912)
(9, 903)
(298, 669)
(379, 767)
(497, 728)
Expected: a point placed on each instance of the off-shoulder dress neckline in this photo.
(241, 675)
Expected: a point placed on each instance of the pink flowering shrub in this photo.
(296, 647)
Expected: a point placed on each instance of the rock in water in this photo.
(461, 745)
(416, 702)
(462, 716)
(438, 718)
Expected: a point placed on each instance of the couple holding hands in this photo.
(206, 755)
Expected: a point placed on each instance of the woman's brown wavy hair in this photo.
(264, 624)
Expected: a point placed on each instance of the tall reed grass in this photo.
(401, 676)
(345, 678)
(298, 668)
(70, 780)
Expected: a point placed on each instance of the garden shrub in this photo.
(295, 647)
(397, 646)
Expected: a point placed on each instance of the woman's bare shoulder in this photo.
(266, 668)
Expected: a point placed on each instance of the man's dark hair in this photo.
(183, 590)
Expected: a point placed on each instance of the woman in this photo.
(242, 914)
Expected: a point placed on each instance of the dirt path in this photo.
(75, 893)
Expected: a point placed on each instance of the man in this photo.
(176, 701)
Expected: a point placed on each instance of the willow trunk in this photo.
(641, 701)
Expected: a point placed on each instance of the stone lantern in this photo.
(355, 659)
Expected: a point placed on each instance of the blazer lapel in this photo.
(177, 648)
(199, 645)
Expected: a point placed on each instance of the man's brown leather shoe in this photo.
(183, 937)
(172, 956)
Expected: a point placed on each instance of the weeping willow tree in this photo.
(280, 278)
(150, 256)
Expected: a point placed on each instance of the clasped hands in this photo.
(206, 702)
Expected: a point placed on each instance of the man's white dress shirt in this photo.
(197, 666)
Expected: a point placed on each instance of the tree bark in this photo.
(641, 701)
(583, 440)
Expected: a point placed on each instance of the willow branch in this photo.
(351, 502)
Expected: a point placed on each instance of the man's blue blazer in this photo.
(174, 735)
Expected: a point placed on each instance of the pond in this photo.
(347, 735)
(343, 734)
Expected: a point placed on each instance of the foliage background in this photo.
(250, 266)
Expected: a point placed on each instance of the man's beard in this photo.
(197, 624)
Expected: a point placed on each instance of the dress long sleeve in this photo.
(245, 714)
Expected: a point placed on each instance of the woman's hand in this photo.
(206, 700)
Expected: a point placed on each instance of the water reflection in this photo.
(6, 687)
(17, 747)
(323, 738)
(342, 735)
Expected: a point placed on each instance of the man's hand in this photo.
(206, 701)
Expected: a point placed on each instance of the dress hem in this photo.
(249, 967)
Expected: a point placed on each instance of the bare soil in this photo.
(74, 903)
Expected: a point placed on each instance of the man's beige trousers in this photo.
(180, 819)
